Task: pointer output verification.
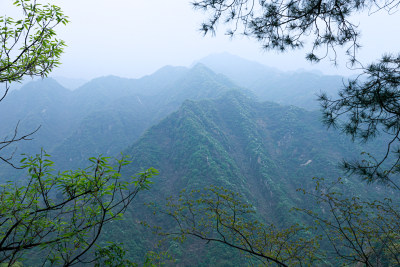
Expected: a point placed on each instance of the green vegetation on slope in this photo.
(263, 151)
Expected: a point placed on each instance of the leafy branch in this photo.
(63, 214)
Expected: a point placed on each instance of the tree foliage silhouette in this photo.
(359, 231)
(61, 216)
(28, 47)
(58, 217)
(368, 105)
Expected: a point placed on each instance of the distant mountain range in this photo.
(107, 114)
(205, 125)
(300, 88)
(103, 116)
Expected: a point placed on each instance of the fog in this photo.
(134, 38)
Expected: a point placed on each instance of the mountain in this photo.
(262, 148)
(40, 103)
(105, 115)
(242, 71)
(198, 128)
(263, 151)
(268, 84)
(125, 115)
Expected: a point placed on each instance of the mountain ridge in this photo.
(262, 151)
(269, 84)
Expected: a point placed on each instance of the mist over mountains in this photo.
(107, 114)
(300, 88)
(224, 121)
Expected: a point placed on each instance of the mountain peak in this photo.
(227, 60)
(201, 67)
(47, 85)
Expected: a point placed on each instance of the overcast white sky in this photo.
(132, 38)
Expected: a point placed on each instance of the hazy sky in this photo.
(132, 38)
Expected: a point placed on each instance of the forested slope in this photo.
(263, 151)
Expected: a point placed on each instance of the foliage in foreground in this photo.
(28, 47)
(218, 215)
(61, 216)
(350, 230)
(368, 107)
(359, 231)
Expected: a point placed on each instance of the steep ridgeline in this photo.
(268, 84)
(119, 121)
(262, 150)
(102, 117)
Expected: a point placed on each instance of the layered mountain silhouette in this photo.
(103, 116)
(199, 126)
(300, 88)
